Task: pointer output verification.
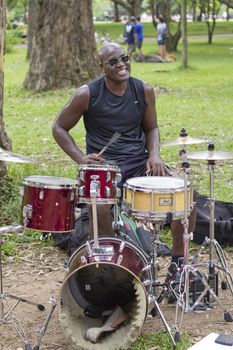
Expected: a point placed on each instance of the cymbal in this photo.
(183, 140)
(210, 155)
(6, 156)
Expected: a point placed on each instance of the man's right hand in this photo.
(92, 158)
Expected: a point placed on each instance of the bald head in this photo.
(108, 50)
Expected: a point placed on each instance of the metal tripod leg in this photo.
(166, 326)
(42, 331)
(222, 259)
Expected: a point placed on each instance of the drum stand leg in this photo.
(42, 331)
(155, 266)
(155, 262)
(166, 326)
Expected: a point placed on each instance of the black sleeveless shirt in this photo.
(108, 113)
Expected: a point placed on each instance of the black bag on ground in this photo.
(138, 236)
(223, 225)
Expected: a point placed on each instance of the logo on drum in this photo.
(164, 202)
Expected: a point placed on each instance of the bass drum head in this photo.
(101, 286)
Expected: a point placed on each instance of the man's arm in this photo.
(68, 117)
(155, 165)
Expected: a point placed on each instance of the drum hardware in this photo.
(215, 249)
(41, 332)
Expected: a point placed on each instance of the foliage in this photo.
(17, 8)
(14, 37)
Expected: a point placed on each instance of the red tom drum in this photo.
(104, 178)
(48, 203)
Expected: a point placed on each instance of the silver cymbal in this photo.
(6, 156)
(210, 155)
(183, 140)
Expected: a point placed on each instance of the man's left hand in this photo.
(156, 167)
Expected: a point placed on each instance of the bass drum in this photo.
(119, 275)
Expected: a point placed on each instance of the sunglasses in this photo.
(115, 60)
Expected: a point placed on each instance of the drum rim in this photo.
(142, 188)
(102, 239)
(106, 167)
(26, 181)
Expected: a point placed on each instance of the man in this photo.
(162, 37)
(139, 32)
(116, 102)
(131, 36)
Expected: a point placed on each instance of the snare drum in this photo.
(103, 178)
(48, 203)
(155, 197)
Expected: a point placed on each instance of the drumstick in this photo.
(115, 137)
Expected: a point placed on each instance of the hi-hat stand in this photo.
(215, 250)
(209, 284)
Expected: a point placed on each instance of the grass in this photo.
(198, 98)
(115, 30)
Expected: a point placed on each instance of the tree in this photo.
(163, 7)
(5, 142)
(33, 10)
(132, 6)
(229, 3)
(210, 10)
(184, 33)
(64, 49)
(116, 12)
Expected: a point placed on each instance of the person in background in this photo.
(117, 102)
(162, 37)
(139, 32)
(130, 36)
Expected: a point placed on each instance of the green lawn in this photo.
(115, 30)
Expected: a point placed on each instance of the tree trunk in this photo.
(184, 34)
(194, 10)
(116, 12)
(64, 50)
(33, 10)
(5, 142)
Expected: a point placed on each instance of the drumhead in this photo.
(104, 167)
(49, 181)
(155, 183)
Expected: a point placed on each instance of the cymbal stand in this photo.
(215, 249)
(186, 235)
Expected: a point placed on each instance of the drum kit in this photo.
(111, 285)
